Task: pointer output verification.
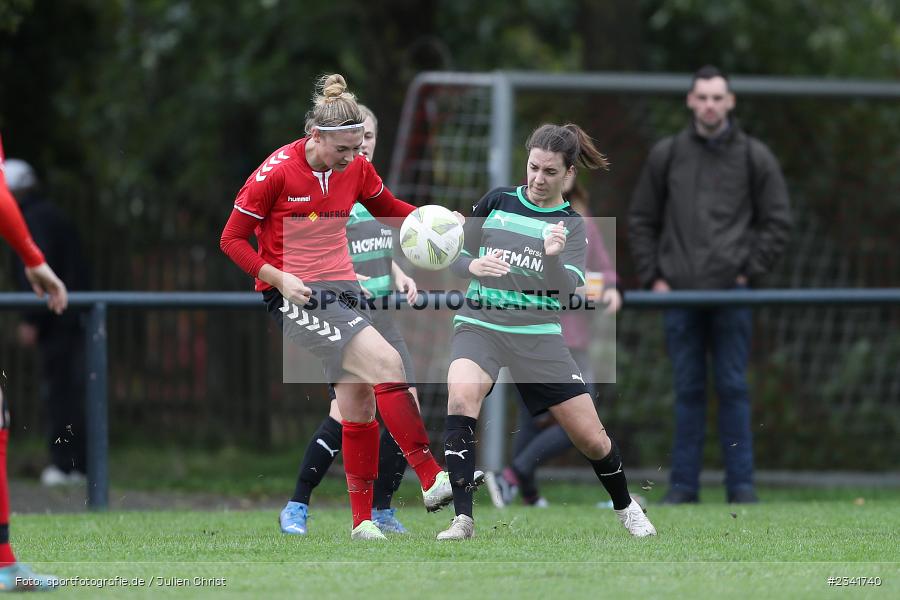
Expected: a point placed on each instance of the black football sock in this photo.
(459, 453)
(320, 453)
(391, 466)
(611, 474)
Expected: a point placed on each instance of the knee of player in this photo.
(461, 404)
(595, 446)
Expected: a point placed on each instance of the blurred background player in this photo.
(15, 576)
(60, 339)
(511, 320)
(539, 439)
(371, 250)
(298, 203)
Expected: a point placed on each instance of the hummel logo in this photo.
(455, 453)
(298, 198)
(354, 321)
(322, 443)
(578, 377)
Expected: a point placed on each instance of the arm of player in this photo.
(467, 265)
(564, 250)
(39, 274)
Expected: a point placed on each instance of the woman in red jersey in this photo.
(298, 203)
(14, 576)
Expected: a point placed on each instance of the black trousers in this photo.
(63, 392)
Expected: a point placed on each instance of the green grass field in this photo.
(786, 547)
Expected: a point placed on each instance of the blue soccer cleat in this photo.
(385, 520)
(293, 518)
(20, 578)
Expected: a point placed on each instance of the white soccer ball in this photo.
(431, 237)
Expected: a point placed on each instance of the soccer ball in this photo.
(431, 237)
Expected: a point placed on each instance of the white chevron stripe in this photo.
(284, 307)
(327, 329)
(314, 325)
(274, 161)
(295, 310)
(336, 336)
(260, 177)
(267, 168)
(305, 319)
(282, 155)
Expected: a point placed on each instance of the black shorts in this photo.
(384, 323)
(326, 324)
(540, 365)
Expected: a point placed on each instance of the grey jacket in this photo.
(705, 211)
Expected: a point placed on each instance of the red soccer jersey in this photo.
(303, 213)
(12, 226)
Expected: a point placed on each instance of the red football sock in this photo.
(402, 418)
(360, 447)
(6, 554)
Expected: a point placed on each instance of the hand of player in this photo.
(489, 265)
(44, 281)
(361, 278)
(294, 290)
(613, 300)
(407, 284)
(555, 239)
(27, 334)
(660, 285)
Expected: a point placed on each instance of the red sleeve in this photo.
(235, 242)
(388, 209)
(14, 230)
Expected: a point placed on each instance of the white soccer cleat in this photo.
(440, 494)
(367, 530)
(461, 528)
(635, 521)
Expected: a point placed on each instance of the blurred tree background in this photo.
(144, 118)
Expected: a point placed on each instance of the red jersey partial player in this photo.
(297, 203)
(15, 575)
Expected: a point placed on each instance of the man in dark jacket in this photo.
(710, 211)
(60, 338)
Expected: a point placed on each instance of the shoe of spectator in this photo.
(674, 496)
(742, 496)
(53, 476)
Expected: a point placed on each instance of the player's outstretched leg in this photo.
(579, 418)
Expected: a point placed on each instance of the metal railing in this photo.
(97, 359)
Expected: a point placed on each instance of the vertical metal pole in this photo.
(502, 113)
(97, 409)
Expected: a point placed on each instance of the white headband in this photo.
(338, 127)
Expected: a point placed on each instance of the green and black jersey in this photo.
(371, 246)
(528, 299)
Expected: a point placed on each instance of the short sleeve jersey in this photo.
(371, 245)
(303, 213)
(520, 301)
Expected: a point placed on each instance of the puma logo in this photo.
(616, 472)
(578, 377)
(460, 454)
(322, 443)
